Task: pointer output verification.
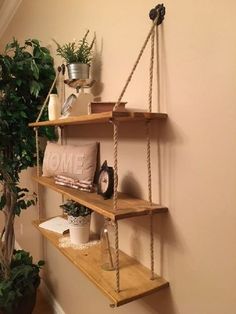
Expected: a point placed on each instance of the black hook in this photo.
(62, 69)
(159, 11)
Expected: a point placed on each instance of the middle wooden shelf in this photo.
(128, 206)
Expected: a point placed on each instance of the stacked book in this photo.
(81, 185)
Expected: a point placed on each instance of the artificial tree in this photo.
(26, 74)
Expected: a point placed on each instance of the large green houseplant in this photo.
(26, 74)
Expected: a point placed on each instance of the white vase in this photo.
(54, 108)
(79, 229)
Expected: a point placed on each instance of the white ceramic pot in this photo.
(79, 229)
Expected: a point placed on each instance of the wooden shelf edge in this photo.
(149, 292)
(102, 117)
(127, 206)
(117, 299)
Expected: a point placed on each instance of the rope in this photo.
(61, 83)
(149, 162)
(62, 140)
(62, 128)
(151, 246)
(148, 121)
(158, 110)
(115, 199)
(149, 154)
(151, 71)
(150, 197)
(37, 139)
(38, 172)
(46, 100)
(37, 150)
(115, 141)
(117, 257)
(135, 64)
(158, 71)
(149, 144)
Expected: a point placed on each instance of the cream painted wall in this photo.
(195, 243)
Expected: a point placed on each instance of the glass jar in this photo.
(108, 257)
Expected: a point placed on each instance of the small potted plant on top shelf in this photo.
(78, 56)
(79, 217)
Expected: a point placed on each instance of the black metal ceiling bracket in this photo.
(159, 11)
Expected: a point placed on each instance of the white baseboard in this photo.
(57, 309)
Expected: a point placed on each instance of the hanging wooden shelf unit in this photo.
(130, 280)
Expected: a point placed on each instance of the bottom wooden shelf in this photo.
(134, 277)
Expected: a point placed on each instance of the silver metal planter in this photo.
(78, 71)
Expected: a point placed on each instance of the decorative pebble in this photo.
(65, 242)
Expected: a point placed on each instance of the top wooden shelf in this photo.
(103, 117)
